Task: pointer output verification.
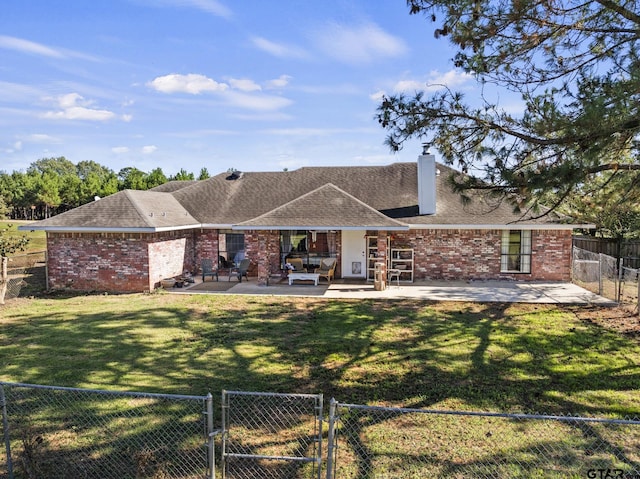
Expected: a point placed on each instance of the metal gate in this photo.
(271, 435)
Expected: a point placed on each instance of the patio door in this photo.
(353, 254)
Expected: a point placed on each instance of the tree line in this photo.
(50, 186)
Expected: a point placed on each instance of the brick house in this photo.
(403, 215)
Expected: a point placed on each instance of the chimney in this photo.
(426, 182)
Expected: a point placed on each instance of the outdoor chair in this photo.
(326, 269)
(240, 270)
(298, 265)
(207, 269)
(223, 263)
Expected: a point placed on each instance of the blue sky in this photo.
(254, 85)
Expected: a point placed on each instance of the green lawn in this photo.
(497, 357)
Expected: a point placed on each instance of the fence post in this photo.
(223, 419)
(600, 274)
(210, 436)
(620, 277)
(319, 409)
(331, 438)
(5, 428)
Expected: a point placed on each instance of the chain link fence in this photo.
(382, 442)
(629, 289)
(61, 433)
(26, 274)
(271, 436)
(54, 432)
(602, 274)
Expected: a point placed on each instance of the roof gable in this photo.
(326, 207)
(133, 209)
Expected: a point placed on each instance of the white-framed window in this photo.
(516, 251)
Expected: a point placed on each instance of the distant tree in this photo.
(574, 64)
(132, 178)
(95, 180)
(48, 192)
(182, 175)
(59, 166)
(204, 174)
(8, 245)
(156, 178)
(4, 209)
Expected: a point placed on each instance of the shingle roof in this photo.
(128, 209)
(327, 207)
(335, 197)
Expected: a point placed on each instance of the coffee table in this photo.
(304, 276)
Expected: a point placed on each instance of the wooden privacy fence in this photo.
(629, 249)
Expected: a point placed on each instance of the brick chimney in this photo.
(426, 182)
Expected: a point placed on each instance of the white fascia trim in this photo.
(518, 226)
(321, 228)
(89, 229)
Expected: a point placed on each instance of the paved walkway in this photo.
(474, 291)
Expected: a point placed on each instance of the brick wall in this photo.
(117, 262)
(475, 254)
(134, 262)
(207, 246)
(263, 249)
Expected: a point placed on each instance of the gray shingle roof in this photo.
(327, 207)
(334, 197)
(128, 209)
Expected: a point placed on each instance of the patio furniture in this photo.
(298, 265)
(240, 270)
(303, 276)
(393, 273)
(327, 269)
(207, 269)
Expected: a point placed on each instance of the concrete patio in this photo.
(474, 291)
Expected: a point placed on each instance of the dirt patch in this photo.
(623, 319)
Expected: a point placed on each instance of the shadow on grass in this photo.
(498, 357)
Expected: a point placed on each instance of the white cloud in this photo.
(244, 84)
(147, 150)
(377, 96)
(120, 149)
(26, 46)
(357, 45)
(279, 50)
(74, 107)
(257, 102)
(280, 82)
(451, 79)
(127, 118)
(192, 83)
(80, 113)
(17, 146)
(33, 48)
(210, 6)
(244, 93)
(435, 81)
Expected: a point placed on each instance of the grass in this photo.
(419, 354)
(37, 239)
(497, 357)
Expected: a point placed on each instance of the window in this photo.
(231, 247)
(516, 251)
(310, 246)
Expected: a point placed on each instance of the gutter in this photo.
(514, 226)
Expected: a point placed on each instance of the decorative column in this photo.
(268, 248)
(383, 254)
